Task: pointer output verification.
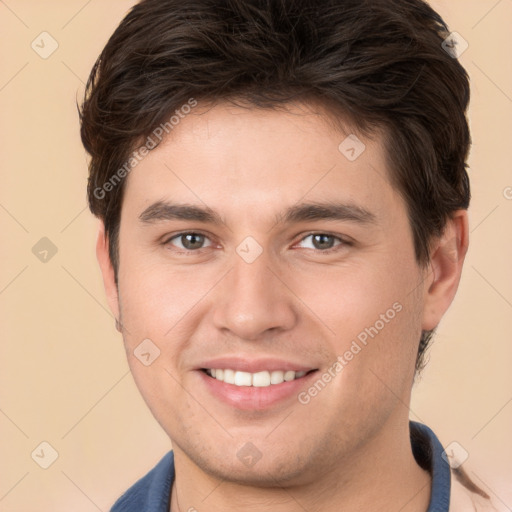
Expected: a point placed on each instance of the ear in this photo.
(445, 268)
(107, 271)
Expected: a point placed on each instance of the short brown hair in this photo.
(380, 62)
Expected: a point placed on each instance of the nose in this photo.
(254, 300)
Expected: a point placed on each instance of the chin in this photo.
(263, 470)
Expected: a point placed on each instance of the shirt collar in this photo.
(428, 452)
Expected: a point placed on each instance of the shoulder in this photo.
(467, 496)
(453, 489)
(152, 492)
(465, 493)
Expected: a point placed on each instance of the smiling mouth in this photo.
(259, 379)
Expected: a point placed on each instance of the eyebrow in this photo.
(326, 211)
(171, 211)
(303, 212)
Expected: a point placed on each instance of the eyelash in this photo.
(342, 242)
(187, 251)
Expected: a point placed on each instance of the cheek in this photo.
(157, 306)
(154, 305)
(373, 316)
(348, 299)
(156, 301)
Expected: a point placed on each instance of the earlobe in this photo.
(446, 261)
(107, 272)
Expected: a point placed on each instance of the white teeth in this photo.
(259, 379)
(288, 376)
(242, 379)
(229, 377)
(276, 377)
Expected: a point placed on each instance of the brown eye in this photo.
(321, 241)
(189, 241)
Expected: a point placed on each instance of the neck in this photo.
(381, 475)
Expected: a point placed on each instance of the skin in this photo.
(350, 444)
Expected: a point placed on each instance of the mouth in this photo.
(262, 379)
(257, 390)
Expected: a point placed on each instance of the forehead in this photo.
(242, 157)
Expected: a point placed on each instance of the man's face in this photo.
(270, 286)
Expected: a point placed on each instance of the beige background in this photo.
(64, 378)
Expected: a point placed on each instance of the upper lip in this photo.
(253, 365)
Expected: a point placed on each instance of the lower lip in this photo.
(255, 398)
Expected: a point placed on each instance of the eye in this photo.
(323, 241)
(189, 241)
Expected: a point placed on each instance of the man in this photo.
(282, 191)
